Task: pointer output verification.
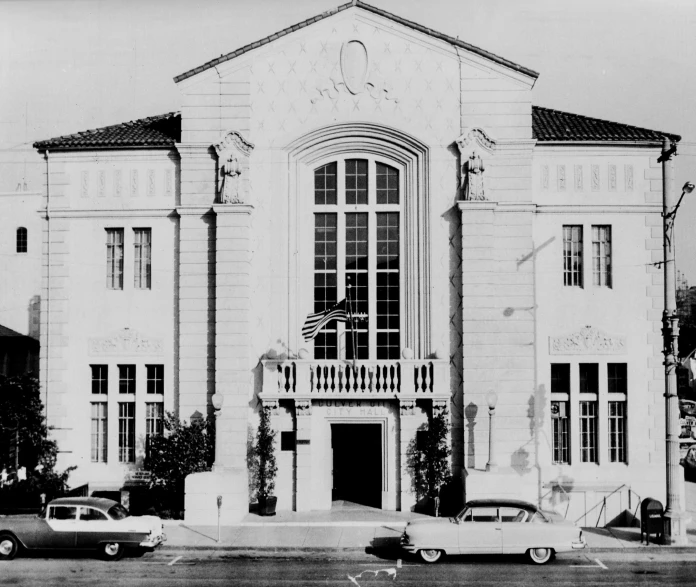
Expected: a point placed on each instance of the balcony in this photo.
(309, 379)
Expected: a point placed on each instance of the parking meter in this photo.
(219, 504)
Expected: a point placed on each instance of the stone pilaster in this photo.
(303, 471)
(408, 425)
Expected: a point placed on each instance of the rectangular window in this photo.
(356, 181)
(588, 431)
(142, 255)
(561, 432)
(560, 378)
(388, 319)
(387, 184)
(154, 420)
(155, 378)
(617, 378)
(325, 282)
(589, 378)
(357, 285)
(126, 378)
(114, 258)
(572, 256)
(325, 185)
(126, 432)
(99, 432)
(287, 440)
(617, 432)
(601, 256)
(100, 379)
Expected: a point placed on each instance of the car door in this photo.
(61, 520)
(92, 528)
(480, 531)
(516, 529)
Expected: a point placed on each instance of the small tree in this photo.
(428, 457)
(24, 444)
(185, 448)
(264, 451)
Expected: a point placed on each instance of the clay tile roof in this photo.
(555, 126)
(152, 132)
(369, 8)
(548, 126)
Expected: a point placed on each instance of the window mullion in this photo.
(372, 280)
(341, 327)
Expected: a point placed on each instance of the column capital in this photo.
(407, 407)
(303, 407)
(220, 209)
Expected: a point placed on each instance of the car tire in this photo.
(430, 555)
(111, 551)
(9, 546)
(540, 556)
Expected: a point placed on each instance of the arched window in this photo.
(21, 240)
(357, 256)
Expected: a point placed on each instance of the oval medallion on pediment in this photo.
(354, 66)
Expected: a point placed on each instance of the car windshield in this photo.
(118, 512)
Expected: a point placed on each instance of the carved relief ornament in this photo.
(588, 341)
(233, 152)
(472, 145)
(125, 342)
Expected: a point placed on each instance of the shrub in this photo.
(428, 457)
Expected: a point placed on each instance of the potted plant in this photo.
(266, 463)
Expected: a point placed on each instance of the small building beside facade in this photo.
(485, 244)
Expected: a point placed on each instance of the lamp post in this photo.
(218, 400)
(674, 522)
(491, 400)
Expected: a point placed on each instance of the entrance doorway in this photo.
(357, 463)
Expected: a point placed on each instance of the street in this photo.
(190, 567)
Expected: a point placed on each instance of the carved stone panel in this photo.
(125, 342)
(588, 341)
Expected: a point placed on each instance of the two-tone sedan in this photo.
(493, 526)
(80, 523)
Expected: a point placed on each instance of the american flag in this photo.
(315, 322)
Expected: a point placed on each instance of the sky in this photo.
(73, 65)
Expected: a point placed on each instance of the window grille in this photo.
(617, 432)
(601, 256)
(588, 431)
(142, 257)
(114, 258)
(22, 240)
(561, 432)
(100, 379)
(126, 432)
(572, 256)
(126, 378)
(99, 432)
(155, 379)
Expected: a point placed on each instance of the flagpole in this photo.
(352, 326)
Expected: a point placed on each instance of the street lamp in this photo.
(217, 399)
(491, 400)
(674, 518)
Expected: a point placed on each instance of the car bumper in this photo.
(579, 544)
(154, 541)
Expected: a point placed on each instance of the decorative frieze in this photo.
(117, 183)
(612, 178)
(628, 178)
(134, 183)
(150, 182)
(544, 177)
(101, 187)
(168, 182)
(561, 178)
(84, 184)
(588, 341)
(578, 178)
(125, 342)
(595, 178)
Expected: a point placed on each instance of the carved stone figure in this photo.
(231, 151)
(473, 189)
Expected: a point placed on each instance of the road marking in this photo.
(599, 565)
(174, 560)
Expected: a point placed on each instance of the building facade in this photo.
(490, 250)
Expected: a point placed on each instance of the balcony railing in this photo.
(419, 378)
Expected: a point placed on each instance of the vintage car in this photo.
(493, 526)
(84, 523)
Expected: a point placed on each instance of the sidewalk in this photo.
(350, 527)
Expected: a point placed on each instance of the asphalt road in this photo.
(219, 568)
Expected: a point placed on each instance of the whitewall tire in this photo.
(430, 555)
(540, 556)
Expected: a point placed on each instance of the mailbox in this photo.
(651, 521)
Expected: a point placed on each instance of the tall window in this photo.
(114, 258)
(588, 431)
(357, 255)
(617, 387)
(601, 255)
(155, 379)
(126, 378)
(572, 256)
(22, 243)
(142, 254)
(560, 422)
(154, 421)
(100, 379)
(126, 432)
(99, 432)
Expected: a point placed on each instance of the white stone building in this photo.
(492, 246)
